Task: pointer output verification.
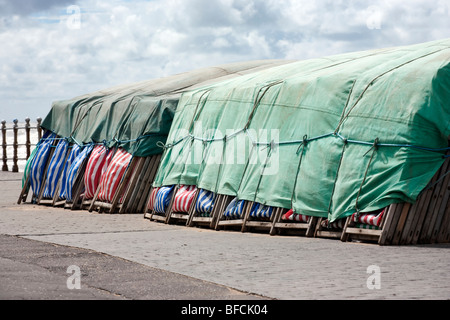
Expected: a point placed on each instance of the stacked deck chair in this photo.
(360, 132)
(202, 212)
(35, 175)
(425, 221)
(183, 204)
(114, 183)
(96, 166)
(72, 183)
(73, 152)
(289, 222)
(53, 173)
(160, 202)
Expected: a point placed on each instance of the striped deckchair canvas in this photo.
(162, 199)
(26, 171)
(74, 151)
(235, 209)
(112, 177)
(55, 168)
(40, 161)
(291, 216)
(260, 211)
(205, 202)
(68, 182)
(151, 202)
(96, 166)
(183, 198)
(369, 218)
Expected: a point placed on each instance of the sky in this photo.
(58, 49)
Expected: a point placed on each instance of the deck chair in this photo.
(326, 229)
(115, 182)
(73, 152)
(182, 204)
(231, 212)
(26, 178)
(73, 185)
(54, 173)
(258, 217)
(137, 201)
(426, 221)
(97, 165)
(38, 167)
(159, 203)
(365, 226)
(202, 213)
(288, 222)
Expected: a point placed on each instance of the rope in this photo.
(374, 148)
(302, 145)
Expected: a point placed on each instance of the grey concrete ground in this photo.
(129, 257)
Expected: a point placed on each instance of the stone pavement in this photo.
(130, 257)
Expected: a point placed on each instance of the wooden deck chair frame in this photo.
(426, 221)
(138, 200)
(152, 216)
(77, 188)
(174, 217)
(37, 197)
(196, 220)
(54, 199)
(226, 223)
(258, 224)
(291, 227)
(324, 232)
(122, 189)
(87, 203)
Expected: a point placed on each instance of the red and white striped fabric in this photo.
(96, 167)
(291, 216)
(370, 218)
(151, 202)
(183, 198)
(110, 181)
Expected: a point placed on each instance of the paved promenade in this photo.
(130, 257)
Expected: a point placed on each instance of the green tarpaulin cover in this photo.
(137, 116)
(325, 137)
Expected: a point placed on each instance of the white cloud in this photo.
(43, 60)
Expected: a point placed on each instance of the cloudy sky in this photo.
(59, 49)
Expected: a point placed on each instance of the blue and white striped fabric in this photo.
(260, 211)
(235, 209)
(55, 168)
(40, 161)
(163, 198)
(66, 188)
(205, 201)
(74, 152)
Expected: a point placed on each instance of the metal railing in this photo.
(6, 145)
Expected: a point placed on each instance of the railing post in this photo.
(27, 134)
(5, 156)
(39, 129)
(15, 167)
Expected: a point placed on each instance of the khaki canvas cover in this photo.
(326, 137)
(136, 116)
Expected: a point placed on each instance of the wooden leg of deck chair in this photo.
(92, 204)
(169, 207)
(247, 208)
(192, 211)
(400, 224)
(218, 210)
(276, 219)
(345, 235)
(389, 224)
(148, 211)
(131, 192)
(124, 185)
(25, 189)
